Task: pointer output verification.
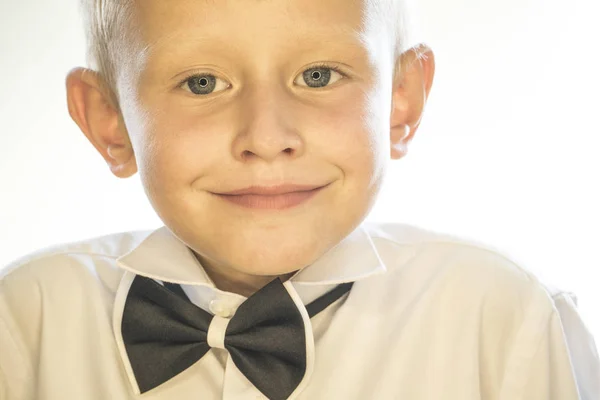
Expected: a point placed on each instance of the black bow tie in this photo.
(164, 334)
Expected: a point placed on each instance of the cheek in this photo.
(172, 141)
(375, 121)
(184, 147)
(356, 135)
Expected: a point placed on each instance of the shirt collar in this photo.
(163, 256)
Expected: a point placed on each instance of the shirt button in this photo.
(219, 308)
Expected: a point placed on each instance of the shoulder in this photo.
(68, 265)
(57, 282)
(450, 253)
(521, 332)
(41, 293)
(469, 289)
(461, 270)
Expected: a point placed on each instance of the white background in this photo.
(507, 154)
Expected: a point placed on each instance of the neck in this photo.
(234, 281)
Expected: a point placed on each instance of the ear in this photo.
(416, 68)
(92, 109)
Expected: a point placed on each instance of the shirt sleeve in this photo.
(3, 388)
(15, 373)
(554, 356)
(582, 348)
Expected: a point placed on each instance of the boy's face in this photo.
(255, 121)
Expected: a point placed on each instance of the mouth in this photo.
(273, 190)
(271, 198)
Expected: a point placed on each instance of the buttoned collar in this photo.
(163, 256)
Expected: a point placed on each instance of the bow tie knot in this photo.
(214, 337)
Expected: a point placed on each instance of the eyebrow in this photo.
(311, 32)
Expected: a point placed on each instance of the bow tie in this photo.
(164, 334)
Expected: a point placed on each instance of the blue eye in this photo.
(317, 76)
(202, 83)
(320, 75)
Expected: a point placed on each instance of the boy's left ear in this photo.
(416, 68)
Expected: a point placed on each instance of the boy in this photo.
(260, 131)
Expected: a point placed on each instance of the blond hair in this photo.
(108, 27)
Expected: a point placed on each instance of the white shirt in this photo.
(430, 316)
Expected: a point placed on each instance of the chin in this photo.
(274, 263)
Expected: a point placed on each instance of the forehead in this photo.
(249, 24)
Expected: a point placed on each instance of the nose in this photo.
(267, 126)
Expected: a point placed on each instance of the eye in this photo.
(201, 84)
(319, 76)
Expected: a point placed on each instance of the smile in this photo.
(271, 201)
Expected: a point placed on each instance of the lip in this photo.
(272, 190)
(271, 198)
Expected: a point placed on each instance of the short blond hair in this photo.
(108, 27)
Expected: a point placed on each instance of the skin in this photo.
(262, 125)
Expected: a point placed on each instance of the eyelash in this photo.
(319, 65)
(328, 66)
